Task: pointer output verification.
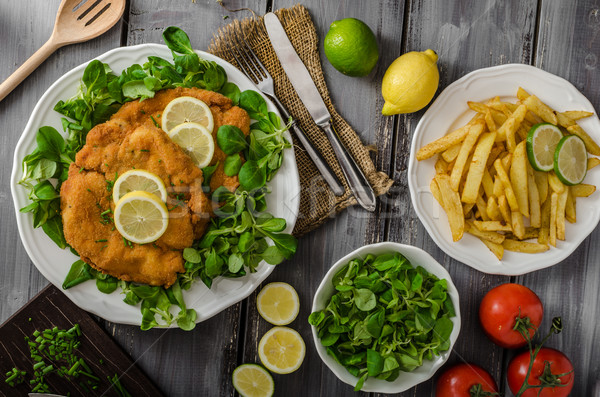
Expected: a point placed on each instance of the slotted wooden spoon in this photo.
(76, 21)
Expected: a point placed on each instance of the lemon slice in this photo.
(570, 160)
(141, 217)
(196, 141)
(542, 140)
(186, 109)
(133, 180)
(278, 303)
(281, 350)
(252, 380)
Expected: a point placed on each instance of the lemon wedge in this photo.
(278, 303)
(186, 109)
(252, 380)
(281, 350)
(196, 140)
(141, 217)
(133, 180)
(570, 160)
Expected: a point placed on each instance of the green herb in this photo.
(15, 377)
(386, 317)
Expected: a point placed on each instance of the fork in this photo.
(254, 69)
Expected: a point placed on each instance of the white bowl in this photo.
(406, 380)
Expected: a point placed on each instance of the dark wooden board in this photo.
(51, 308)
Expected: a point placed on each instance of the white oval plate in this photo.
(450, 111)
(54, 263)
(406, 380)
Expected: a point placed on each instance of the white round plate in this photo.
(406, 380)
(54, 263)
(450, 111)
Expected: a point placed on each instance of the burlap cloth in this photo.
(317, 202)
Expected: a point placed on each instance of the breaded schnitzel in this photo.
(130, 139)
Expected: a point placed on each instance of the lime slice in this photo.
(570, 160)
(186, 109)
(133, 180)
(278, 303)
(252, 380)
(541, 145)
(141, 217)
(196, 141)
(281, 350)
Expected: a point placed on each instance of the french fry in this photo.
(553, 211)
(492, 226)
(489, 120)
(508, 190)
(592, 162)
(518, 225)
(452, 205)
(467, 208)
(544, 234)
(560, 214)
(478, 107)
(522, 94)
(435, 191)
(506, 161)
(524, 246)
(482, 207)
(582, 190)
(504, 208)
(541, 180)
(518, 178)
(493, 211)
(539, 108)
(591, 146)
(443, 143)
(489, 236)
(474, 131)
(477, 167)
(497, 249)
(488, 183)
(450, 154)
(570, 207)
(555, 184)
(535, 215)
(577, 114)
(494, 153)
(530, 232)
(441, 166)
(508, 129)
(498, 188)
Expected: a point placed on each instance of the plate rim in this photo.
(499, 267)
(147, 48)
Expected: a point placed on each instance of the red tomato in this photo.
(458, 380)
(559, 364)
(499, 308)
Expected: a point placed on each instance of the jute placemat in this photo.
(317, 202)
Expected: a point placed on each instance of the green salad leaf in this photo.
(238, 238)
(385, 317)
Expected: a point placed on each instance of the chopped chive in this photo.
(155, 123)
(102, 240)
(144, 150)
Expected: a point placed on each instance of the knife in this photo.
(307, 91)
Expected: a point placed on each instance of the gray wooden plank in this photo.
(24, 27)
(359, 101)
(199, 362)
(468, 35)
(570, 289)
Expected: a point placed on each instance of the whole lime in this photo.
(351, 47)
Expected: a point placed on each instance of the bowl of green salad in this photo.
(385, 317)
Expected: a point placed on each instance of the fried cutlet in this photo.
(130, 139)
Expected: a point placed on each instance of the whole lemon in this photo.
(410, 82)
(351, 47)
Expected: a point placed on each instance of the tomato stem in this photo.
(547, 378)
(477, 391)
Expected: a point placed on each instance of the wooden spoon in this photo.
(76, 21)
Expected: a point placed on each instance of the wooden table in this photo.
(559, 36)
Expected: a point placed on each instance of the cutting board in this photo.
(52, 308)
